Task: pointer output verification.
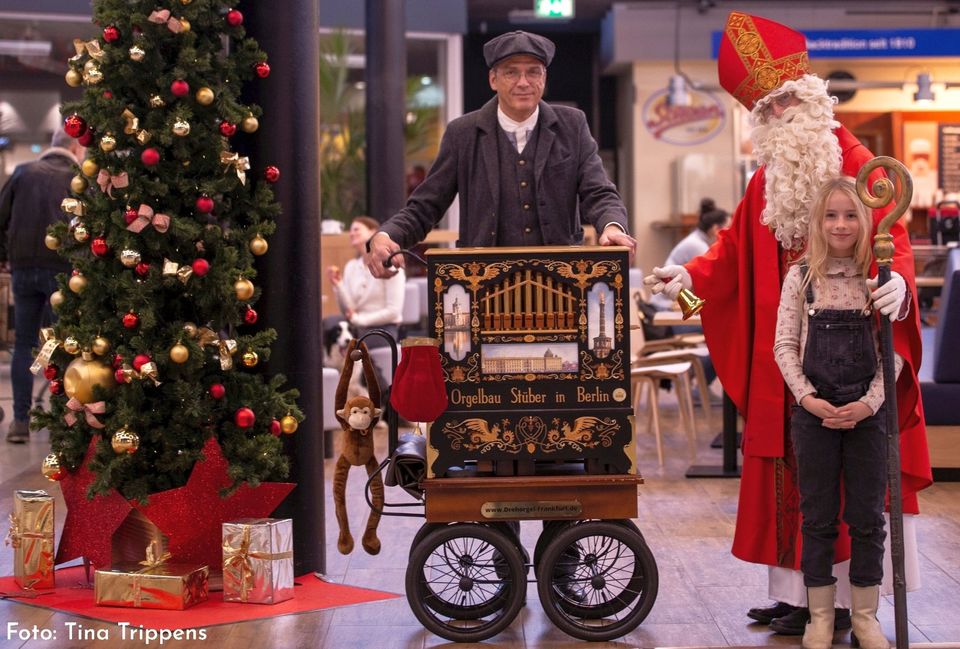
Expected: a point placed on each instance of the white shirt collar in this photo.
(520, 130)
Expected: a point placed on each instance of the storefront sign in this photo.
(874, 43)
(695, 123)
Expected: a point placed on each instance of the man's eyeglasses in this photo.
(533, 75)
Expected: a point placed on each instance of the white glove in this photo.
(669, 280)
(888, 299)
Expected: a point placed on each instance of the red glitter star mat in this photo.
(73, 597)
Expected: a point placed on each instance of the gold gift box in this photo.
(31, 535)
(258, 560)
(171, 586)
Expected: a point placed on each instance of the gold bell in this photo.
(690, 304)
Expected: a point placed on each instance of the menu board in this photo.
(949, 162)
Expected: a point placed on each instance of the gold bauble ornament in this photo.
(184, 24)
(51, 468)
(78, 184)
(91, 72)
(249, 124)
(289, 424)
(156, 101)
(77, 283)
(51, 242)
(80, 233)
(100, 346)
(56, 299)
(190, 329)
(185, 2)
(205, 96)
(250, 358)
(125, 441)
(108, 143)
(181, 127)
(71, 345)
(137, 53)
(129, 258)
(73, 78)
(179, 353)
(258, 245)
(89, 168)
(243, 288)
(84, 374)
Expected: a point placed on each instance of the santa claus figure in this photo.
(764, 65)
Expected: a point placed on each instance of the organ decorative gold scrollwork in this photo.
(530, 433)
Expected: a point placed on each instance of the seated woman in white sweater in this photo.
(366, 302)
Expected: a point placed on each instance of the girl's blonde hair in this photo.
(817, 248)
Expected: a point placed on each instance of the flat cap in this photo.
(518, 42)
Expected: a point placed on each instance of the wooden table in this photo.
(675, 318)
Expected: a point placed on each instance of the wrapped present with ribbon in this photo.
(258, 560)
(152, 583)
(31, 536)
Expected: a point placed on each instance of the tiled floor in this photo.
(688, 524)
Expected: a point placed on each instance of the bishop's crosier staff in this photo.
(880, 194)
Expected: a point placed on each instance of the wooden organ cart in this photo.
(535, 352)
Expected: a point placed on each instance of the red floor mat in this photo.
(310, 594)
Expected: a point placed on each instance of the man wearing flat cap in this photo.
(527, 173)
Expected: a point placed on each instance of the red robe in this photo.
(740, 278)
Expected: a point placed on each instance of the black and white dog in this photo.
(336, 337)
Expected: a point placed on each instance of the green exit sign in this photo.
(553, 8)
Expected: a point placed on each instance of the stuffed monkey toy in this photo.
(357, 416)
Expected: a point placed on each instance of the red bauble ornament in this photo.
(249, 316)
(119, 376)
(111, 34)
(150, 157)
(140, 360)
(271, 174)
(130, 215)
(56, 386)
(87, 138)
(74, 272)
(262, 69)
(244, 417)
(227, 129)
(50, 372)
(142, 269)
(180, 88)
(99, 247)
(117, 361)
(131, 320)
(217, 391)
(234, 18)
(275, 429)
(107, 94)
(200, 267)
(74, 125)
(204, 204)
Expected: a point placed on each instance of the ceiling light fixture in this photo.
(924, 93)
(25, 48)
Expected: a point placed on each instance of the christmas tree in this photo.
(153, 349)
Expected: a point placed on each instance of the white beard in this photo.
(799, 152)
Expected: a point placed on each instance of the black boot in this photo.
(795, 622)
(770, 613)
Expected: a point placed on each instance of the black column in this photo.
(386, 106)
(289, 273)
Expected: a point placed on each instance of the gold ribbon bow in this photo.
(154, 558)
(208, 337)
(86, 47)
(146, 216)
(172, 268)
(50, 344)
(162, 16)
(147, 371)
(89, 410)
(14, 535)
(240, 559)
(73, 206)
(235, 161)
(132, 127)
(108, 182)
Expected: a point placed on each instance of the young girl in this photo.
(827, 348)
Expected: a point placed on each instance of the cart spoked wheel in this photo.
(466, 582)
(597, 580)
